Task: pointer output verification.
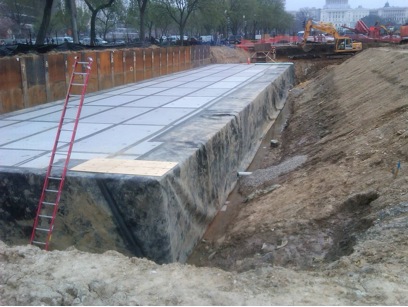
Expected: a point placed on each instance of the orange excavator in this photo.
(342, 44)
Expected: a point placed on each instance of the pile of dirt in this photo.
(328, 228)
(225, 55)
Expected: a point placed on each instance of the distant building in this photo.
(339, 13)
(394, 14)
(336, 4)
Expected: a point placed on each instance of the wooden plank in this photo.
(128, 167)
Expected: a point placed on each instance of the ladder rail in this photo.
(61, 177)
(50, 164)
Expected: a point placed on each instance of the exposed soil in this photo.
(322, 219)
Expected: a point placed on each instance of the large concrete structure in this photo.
(152, 163)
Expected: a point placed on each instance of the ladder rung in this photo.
(48, 203)
(42, 229)
(52, 191)
(83, 62)
(46, 216)
(55, 178)
(81, 84)
(75, 95)
(79, 73)
(37, 242)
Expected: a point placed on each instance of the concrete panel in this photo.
(35, 76)
(11, 92)
(104, 70)
(118, 67)
(56, 81)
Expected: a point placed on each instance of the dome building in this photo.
(337, 4)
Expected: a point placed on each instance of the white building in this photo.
(336, 4)
(398, 15)
(339, 13)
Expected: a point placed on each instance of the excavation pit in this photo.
(152, 164)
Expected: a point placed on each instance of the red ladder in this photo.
(64, 141)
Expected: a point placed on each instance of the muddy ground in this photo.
(322, 220)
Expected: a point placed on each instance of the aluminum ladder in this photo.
(55, 177)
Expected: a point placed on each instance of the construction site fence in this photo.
(32, 80)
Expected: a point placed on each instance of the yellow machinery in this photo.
(342, 44)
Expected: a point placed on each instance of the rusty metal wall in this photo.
(164, 67)
(156, 63)
(55, 77)
(129, 66)
(140, 64)
(34, 82)
(148, 63)
(94, 83)
(117, 62)
(105, 79)
(11, 92)
(37, 79)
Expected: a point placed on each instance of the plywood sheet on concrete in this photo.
(127, 167)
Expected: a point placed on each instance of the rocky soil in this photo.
(322, 220)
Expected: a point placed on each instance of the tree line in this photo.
(41, 19)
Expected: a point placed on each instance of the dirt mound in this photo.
(331, 231)
(225, 55)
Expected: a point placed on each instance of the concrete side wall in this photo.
(207, 174)
(32, 80)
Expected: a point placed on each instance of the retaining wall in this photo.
(32, 80)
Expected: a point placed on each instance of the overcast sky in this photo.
(294, 5)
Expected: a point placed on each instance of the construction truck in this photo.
(404, 34)
(342, 44)
(378, 33)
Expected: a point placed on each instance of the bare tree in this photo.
(19, 16)
(44, 23)
(179, 11)
(71, 7)
(142, 4)
(95, 6)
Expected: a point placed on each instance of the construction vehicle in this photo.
(404, 34)
(342, 44)
(378, 33)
